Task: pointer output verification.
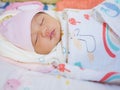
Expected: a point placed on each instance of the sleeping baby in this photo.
(72, 36)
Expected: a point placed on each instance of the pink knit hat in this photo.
(18, 29)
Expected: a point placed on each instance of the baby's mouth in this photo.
(52, 34)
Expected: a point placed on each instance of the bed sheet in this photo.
(3, 5)
(16, 78)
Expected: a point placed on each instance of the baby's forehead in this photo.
(41, 15)
(52, 13)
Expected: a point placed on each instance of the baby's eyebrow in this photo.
(36, 39)
(42, 21)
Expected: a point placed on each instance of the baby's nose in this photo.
(46, 33)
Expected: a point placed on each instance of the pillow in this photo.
(43, 1)
(77, 4)
(25, 5)
(49, 1)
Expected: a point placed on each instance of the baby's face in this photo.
(45, 33)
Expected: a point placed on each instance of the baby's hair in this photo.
(61, 34)
(41, 13)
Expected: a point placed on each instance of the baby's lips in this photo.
(51, 34)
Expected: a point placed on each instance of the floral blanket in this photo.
(14, 77)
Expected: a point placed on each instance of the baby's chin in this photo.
(57, 36)
(43, 52)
